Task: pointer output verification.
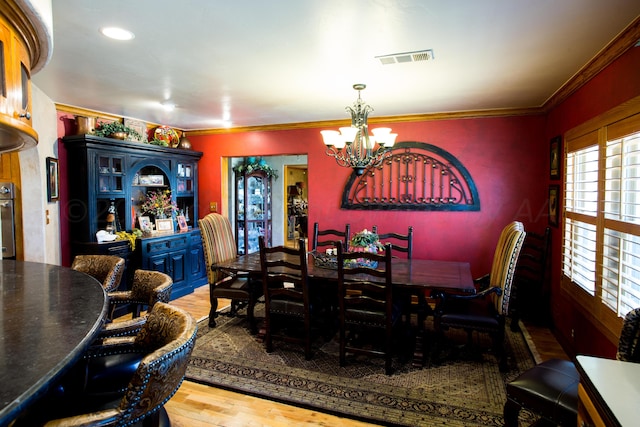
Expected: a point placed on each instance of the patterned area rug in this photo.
(462, 391)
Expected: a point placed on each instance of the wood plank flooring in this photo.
(196, 405)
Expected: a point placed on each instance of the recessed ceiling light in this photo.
(117, 33)
(168, 105)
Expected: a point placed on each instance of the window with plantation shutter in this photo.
(581, 202)
(601, 214)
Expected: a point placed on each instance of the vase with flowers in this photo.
(365, 241)
(159, 204)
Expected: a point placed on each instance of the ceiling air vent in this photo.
(399, 58)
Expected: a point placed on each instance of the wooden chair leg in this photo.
(343, 338)
(510, 413)
(253, 327)
(268, 340)
(213, 312)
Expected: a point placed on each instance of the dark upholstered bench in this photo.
(549, 389)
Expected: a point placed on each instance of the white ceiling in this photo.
(257, 62)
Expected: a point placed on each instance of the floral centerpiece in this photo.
(365, 241)
(159, 204)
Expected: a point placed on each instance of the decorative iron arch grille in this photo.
(416, 177)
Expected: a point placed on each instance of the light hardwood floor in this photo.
(196, 405)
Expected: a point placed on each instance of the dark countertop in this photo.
(49, 316)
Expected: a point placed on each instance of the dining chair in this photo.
(531, 295)
(485, 311)
(367, 305)
(550, 389)
(415, 303)
(402, 243)
(328, 239)
(107, 269)
(287, 300)
(219, 245)
(127, 379)
(147, 288)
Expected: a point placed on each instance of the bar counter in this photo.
(49, 316)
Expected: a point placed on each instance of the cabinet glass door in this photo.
(185, 178)
(253, 211)
(255, 205)
(110, 174)
(185, 191)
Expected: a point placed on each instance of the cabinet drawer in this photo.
(167, 244)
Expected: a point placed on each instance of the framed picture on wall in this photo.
(554, 194)
(555, 159)
(53, 186)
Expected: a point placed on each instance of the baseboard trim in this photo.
(530, 344)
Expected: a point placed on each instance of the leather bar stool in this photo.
(550, 388)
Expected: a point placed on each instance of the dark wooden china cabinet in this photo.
(106, 174)
(252, 210)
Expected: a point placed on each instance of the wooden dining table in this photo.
(411, 274)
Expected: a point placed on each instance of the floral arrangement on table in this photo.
(365, 241)
(252, 164)
(362, 241)
(159, 204)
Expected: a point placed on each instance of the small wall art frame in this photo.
(555, 157)
(554, 196)
(139, 127)
(182, 223)
(145, 223)
(53, 184)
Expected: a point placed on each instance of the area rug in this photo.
(458, 391)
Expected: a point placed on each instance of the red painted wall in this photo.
(614, 85)
(507, 158)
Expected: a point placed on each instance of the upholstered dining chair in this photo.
(128, 379)
(147, 288)
(107, 269)
(328, 239)
(550, 389)
(367, 305)
(485, 311)
(219, 245)
(287, 300)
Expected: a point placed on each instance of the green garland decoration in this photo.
(252, 164)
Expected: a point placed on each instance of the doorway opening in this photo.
(297, 204)
(291, 169)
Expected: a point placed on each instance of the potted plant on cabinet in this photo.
(115, 129)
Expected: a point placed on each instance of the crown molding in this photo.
(626, 40)
(377, 120)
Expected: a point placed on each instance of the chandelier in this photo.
(352, 146)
